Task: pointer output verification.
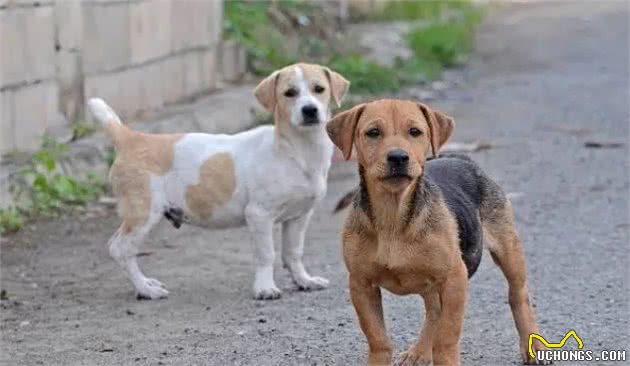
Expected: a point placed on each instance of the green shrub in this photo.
(45, 190)
(448, 44)
(11, 220)
(444, 42)
(248, 23)
(366, 76)
(81, 129)
(422, 10)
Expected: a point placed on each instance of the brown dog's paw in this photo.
(531, 361)
(382, 358)
(528, 360)
(413, 357)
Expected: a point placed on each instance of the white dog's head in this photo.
(300, 94)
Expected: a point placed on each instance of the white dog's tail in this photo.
(106, 116)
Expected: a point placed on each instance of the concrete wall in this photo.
(137, 54)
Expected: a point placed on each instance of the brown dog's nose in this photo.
(397, 158)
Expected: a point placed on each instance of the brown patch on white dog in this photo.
(217, 181)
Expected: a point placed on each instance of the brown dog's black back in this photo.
(461, 186)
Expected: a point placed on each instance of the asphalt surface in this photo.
(546, 80)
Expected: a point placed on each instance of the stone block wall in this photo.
(137, 54)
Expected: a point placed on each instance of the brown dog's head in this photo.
(300, 94)
(392, 138)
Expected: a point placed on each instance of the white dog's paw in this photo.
(267, 293)
(151, 289)
(311, 283)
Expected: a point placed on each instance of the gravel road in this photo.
(546, 80)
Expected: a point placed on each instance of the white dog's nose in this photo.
(310, 113)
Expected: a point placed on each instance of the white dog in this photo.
(267, 175)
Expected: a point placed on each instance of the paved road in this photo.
(546, 79)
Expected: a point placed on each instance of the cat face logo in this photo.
(570, 333)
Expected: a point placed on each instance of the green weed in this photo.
(48, 190)
(45, 190)
(11, 220)
(422, 10)
(366, 76)
(445, 42)
(81, 129)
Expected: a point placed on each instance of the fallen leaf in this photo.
(603, 144)
(467, 147)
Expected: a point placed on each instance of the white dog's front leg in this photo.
(260, 224)
(293, 233)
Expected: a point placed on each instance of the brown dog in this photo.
(416, 228)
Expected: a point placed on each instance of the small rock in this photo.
(129, 312)
(439, 85)
(107, 200)
(514, 195)
(467, 147)
(262, 320)
(422, 95)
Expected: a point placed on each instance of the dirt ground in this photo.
(546, 80)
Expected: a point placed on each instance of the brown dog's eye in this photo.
(415, 132)
(319, 89)
(290, 93)
(373, 133)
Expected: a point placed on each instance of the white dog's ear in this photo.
(440, 126)
(341, 129)
(338, 85)
(266, 91)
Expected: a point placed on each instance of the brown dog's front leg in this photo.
(453, 304)
(421, 353)
(367, 302)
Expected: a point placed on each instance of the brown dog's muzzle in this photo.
(397, 163)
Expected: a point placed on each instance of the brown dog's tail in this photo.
(107, 118)
(346, 200)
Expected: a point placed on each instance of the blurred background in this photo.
(146, 58)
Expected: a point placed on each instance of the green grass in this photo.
(82, 129)
(366, 76)
(420, 10)
(248, 22)
(445, 42)
(11, 220)
(45, 190)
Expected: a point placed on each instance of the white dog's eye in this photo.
(290, 93)
(319, 89)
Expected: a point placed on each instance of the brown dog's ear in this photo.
(440, 126)
(265, 92)
(338, 85)
(341, 129)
